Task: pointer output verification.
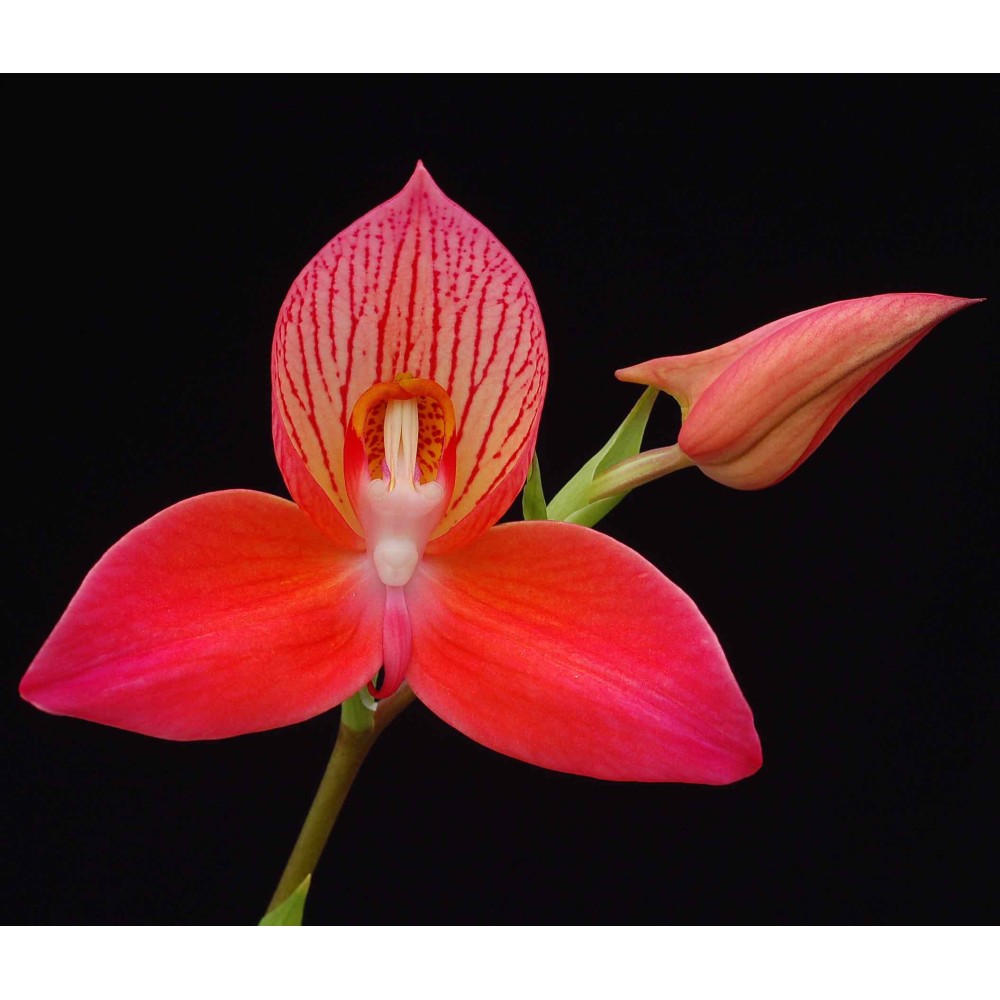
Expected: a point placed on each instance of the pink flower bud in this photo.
(754, 409)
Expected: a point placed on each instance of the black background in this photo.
(155, 228)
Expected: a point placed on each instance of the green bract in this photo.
(533, 497)
(572, 503)
(289, 913)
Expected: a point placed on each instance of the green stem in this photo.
(349, 752)
(636, 471)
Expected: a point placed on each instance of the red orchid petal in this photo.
(227, 613)
(309, 495)
(756, 408)
(417, 285)
(490, 509)
(397, 640)
(560, 646)
(687, 376)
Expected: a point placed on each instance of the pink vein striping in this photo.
(416, 285)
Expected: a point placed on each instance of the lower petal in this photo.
(227, 613)
(557, 645)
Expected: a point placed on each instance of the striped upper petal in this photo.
(418, 286)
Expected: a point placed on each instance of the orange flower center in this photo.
(405, 426)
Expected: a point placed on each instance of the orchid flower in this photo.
(754, 409)
(408, 371)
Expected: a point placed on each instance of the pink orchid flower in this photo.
(754, 409)
(408, 372)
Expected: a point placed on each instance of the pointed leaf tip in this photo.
(289, 913)
(575, 503)
(533, 497)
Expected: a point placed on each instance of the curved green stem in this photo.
(637, 470)
(349, 752)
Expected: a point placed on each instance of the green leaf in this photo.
(571, 503)
(288, 913)
(533, 497)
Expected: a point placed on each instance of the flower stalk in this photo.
(637, 471)
(355, 738)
